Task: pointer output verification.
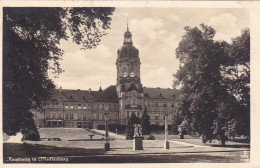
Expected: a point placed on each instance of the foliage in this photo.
(205, 101)
(236, 77)
(145, 123)
(177, 119)
(31, 47)
(130, 126)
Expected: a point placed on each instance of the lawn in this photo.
(76, 145)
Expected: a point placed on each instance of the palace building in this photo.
(87, 108)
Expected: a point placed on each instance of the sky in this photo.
(156, 33)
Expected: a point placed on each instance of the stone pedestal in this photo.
(166, 145)
(138, 143)
(181, 136)
(107, 146)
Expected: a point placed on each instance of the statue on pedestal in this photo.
(137, 130)
(138, 137)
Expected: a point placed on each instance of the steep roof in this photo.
(75, 95)
(108, 95)
(160, 93)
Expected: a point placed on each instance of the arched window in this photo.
(132, 74)
(125, 74)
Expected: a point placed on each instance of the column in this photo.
(107, 144)
(166, 143)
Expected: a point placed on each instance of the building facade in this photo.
(87, 108)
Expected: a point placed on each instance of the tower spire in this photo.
(127, 25)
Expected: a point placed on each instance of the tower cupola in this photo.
(128, 37)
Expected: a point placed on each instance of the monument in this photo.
(138, 138)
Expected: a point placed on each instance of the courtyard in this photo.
(77, 147)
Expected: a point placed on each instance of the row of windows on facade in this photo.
(60, 124)
(131, 74)
(158, 104)
(154, 116)
(80, 106)
(77, 116)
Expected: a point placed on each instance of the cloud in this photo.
(147, 30)
(156, 33)
(225, 25)
(85, 68)
(174, 18)
(157, 50)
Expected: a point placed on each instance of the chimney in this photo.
(89, 90)
(60, 89)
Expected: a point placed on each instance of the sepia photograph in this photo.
(125, 85)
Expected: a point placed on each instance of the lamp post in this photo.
(180, 129)
(107, 144)
(166, 143)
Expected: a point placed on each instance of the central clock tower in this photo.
(129, 88)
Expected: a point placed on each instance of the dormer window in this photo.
(132, 74)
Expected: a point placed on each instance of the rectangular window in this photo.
(59, 116)
(53, 105)
(79, 106)
(66, 105)
(103, 106)
(71, 105)
(156, 117)
(100, 116)
(172, 104)
(164, 104)
(156, 104)
(79, 117)
(66, 116)
(109, 106)
(84, 116)
(84, 106)
(71, 116)
(89, 116)
(48, 116)
(54, 115)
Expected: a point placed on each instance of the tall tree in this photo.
(145, 123)
(31, 38)
(130, 126)
(236, 77)
(204, 102)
